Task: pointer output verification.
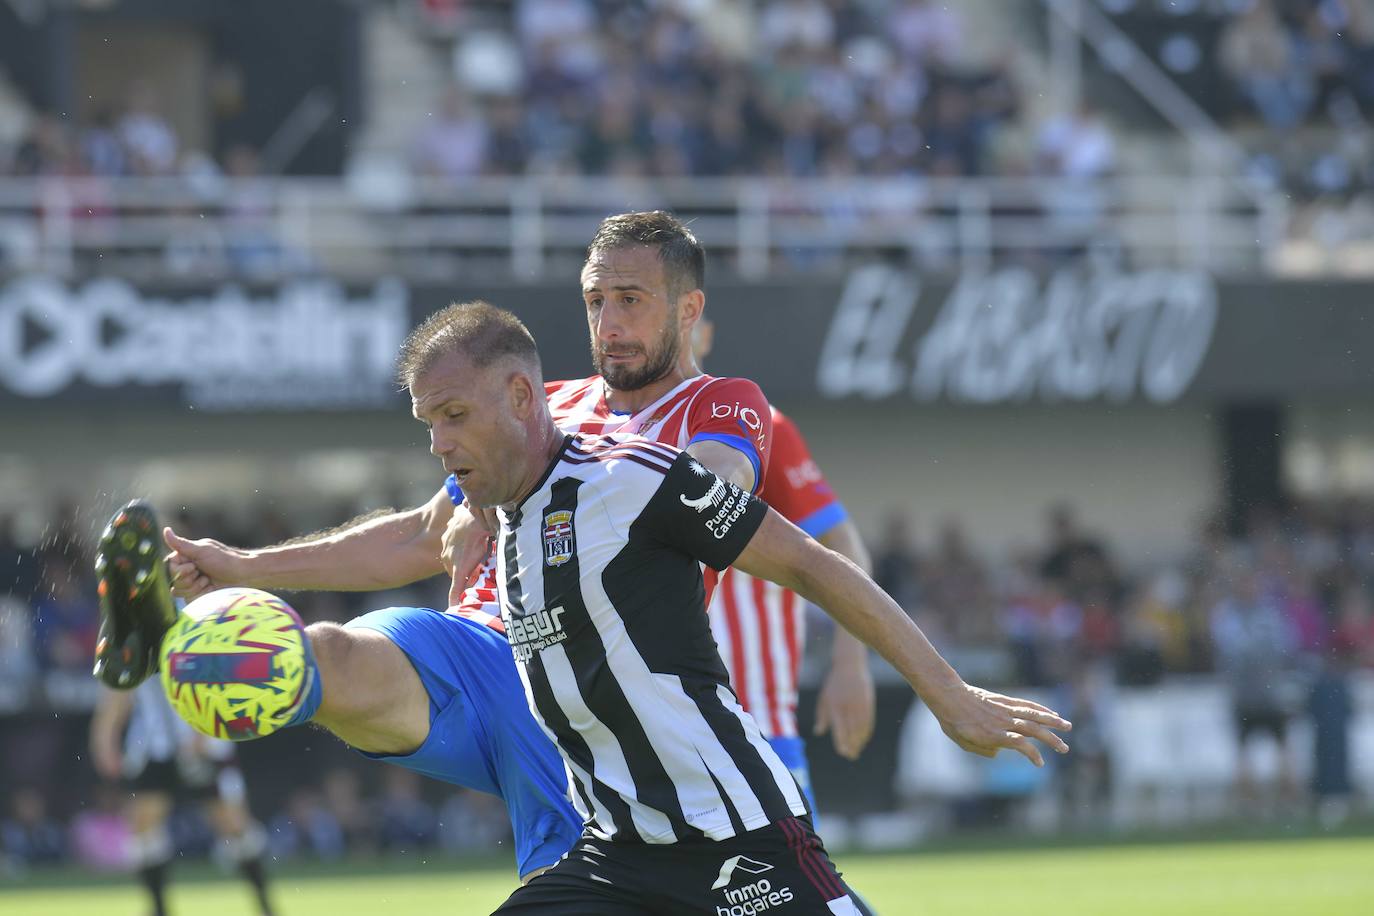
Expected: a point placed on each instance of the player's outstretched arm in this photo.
(377, 552)
(977, 720)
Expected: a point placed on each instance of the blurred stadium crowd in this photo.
(789, 88)
(1281, 613)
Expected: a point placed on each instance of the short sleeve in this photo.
(734, 411)
(700, 514)
(795, 486)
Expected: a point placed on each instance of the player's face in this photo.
(635, 328)
(475, 429)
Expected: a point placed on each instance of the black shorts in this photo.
(780, 869)
(1252, 721)
(208, 781)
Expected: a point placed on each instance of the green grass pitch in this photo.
(1311, 877)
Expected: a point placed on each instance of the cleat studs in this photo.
(145, 547)
(141, 576)
(101, 589)
(102, 646)
(133, 593)
(100, 562)
(121, 518)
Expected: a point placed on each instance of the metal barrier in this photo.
(530, 228)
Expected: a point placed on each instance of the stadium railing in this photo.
(527, 228)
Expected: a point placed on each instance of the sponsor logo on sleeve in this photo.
(728, 500)
(750, 423)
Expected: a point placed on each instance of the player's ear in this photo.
(521, 391)
(690, 307)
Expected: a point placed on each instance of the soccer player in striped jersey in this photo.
(419, 682)
(137, 739)
(688, 808)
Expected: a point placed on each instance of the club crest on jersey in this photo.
(558, 538)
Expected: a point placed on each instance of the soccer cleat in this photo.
(136, 607)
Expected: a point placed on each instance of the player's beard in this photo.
(660, 358)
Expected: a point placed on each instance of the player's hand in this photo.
(106, 759)
(845, 708)
(199, 566)
(466, 546)
(983, 722)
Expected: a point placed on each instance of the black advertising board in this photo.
(877, 335)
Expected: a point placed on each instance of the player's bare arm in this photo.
(377, 552)
(977, 720)
(726, 462)
(846, 705)
(107, 725)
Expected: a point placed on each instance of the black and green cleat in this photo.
(136, 607)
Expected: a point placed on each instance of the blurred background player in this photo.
(760, 627)
(162, 761)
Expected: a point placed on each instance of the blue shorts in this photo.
(481, 733)
(792, 751)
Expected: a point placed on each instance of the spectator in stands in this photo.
(896, 566)
(472, 821)
(17, 664)
(19, 567)
(1331, 705)
(65, 616)
(306, 826)
(926, 32)
(957, 591)
(408, 822)
(30, 836)
(454, 143)
(804, 24)
(1075, 560)
(1354, 625)
(1257, 52)
(1077, 144)
(1254, 647)
(45, 150)
(148, 139)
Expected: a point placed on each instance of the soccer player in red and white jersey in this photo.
(760, 627)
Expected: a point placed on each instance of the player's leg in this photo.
(792, 751)
(781, 866)
(147, 812)
(481, 733)
(595, 877)
(365, 691)
(242, 840)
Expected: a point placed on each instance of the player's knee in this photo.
(369, 690)
(333, 648)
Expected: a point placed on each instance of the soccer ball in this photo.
(236, 664)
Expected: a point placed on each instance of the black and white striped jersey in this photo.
(601, 592)
(156, 733)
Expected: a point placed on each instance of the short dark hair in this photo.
(479, 330)
(683, 258)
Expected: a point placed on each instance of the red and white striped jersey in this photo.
(729, 410)
(760, 626)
